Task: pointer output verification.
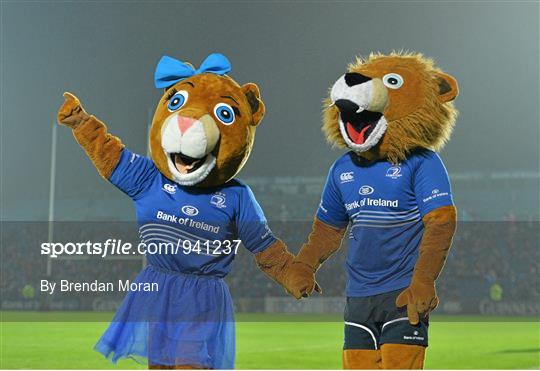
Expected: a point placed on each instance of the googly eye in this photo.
(177, 100)
(224, 113)
(392, 80)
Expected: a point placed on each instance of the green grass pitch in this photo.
(280, 342)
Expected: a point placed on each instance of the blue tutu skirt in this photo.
(188, 321)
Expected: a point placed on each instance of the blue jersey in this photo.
(189, 229)
(384, 205)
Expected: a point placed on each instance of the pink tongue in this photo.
(357, 137)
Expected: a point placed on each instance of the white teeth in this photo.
(361, 108)
(332, 104)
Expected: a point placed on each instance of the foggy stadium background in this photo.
(294, 56)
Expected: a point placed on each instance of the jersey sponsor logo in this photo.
(188, 221)
(378, 202)
(267, 231)
(366, 201)
(199, 225)
(218, 200)
(366, 190)
(190, 210)
(346, 177)
(166, 217)
(435, 194)
(352, 205)
(394, 172)
(169, 188)
(415, 336)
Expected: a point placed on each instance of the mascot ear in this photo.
(253, 96)
(448, 87)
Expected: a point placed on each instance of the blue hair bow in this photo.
(169, 70)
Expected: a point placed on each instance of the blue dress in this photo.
(191, 237)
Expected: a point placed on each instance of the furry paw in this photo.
(420, 299)
(300, 280)
(71, 113)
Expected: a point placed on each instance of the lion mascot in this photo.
(393, 112)
(187, 199)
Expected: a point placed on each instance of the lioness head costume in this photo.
(392, 112)
(204, 127)
(185, 195)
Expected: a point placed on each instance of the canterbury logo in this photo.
(346, 177)
(169, 188)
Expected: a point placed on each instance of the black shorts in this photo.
(375, 320)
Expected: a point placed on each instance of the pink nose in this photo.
(184, 123)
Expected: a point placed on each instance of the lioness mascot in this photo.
(391, 189)
(185, 195)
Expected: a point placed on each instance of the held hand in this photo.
(300, 280)
(71, 113)
(420, 299)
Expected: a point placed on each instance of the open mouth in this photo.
(359, 126)
(361, 129)
(191, 153)
(185, 164)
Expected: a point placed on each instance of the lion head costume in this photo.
(386, 106)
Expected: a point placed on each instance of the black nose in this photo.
(353, 78)
(345, 105)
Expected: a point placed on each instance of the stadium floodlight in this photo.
(52, 184)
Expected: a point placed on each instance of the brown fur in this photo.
(361, 359)
(322, 242)
(103, 149)
(274, 261)
(418, 115)
(421, 297)
(236, 140)
(402, 357)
